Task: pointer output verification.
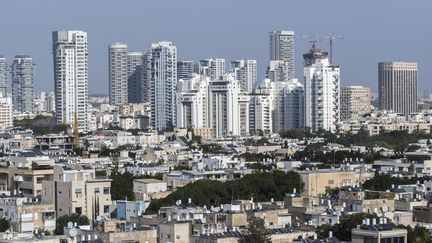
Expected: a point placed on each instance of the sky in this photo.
(373, 31)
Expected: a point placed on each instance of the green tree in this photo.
(383, 182)
(4, 225)
(262, 186)
(418, 234)
(255, 232)
(62, 222)
(342, 230)
(121, 184)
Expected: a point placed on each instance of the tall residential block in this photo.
(6, 117)
(223, 103)
(260, 113)
(215, 104)
(282, 50)
(22, 70)
(70, 57)
(397, 86)
(355, 102)
(185, 69)
(118, 74)
(286, 104)
(192, 102)
(163, 84)
(245, 71)
(3, 76)
(322, 91)
(212, 67)
(136, 84)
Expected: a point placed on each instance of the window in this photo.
(331, 182)
(399, 239)
(78, 210)
(106, 190)
(370, 240)
(78, 192)
(106, 209)
(97, 190)
(386, 240)
(39, 180)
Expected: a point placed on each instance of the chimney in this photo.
(374, 221)
(294, 190)
(385, 220)
(330, 234)
(189, 200)
(367, 221)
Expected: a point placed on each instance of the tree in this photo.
(255, 232)
(4, 224)
(418, 234)
(262, 186)
(62, 222)
(383, 182)
(122, 186)
(342, 230)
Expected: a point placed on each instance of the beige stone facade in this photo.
(316, 182)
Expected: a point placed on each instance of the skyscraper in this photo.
(397, 86)
(136, 84)
(70, 57)
(22, 70)
(322, 91)
(245, 71)
(192, 107)
(3, 76)
(212, 67)
(118, 74)
(6, 116)
(282, 51)
(355, 102)
(185, 69)
(224, 110)
(286, 104)
(163, 84)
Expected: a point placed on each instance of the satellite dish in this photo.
(73, 232)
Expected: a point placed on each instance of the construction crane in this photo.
(75, 132)
(332, 37)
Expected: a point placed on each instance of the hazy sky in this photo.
(373, 30)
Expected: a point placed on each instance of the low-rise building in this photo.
(54, 143)
(75, 189)
(317, 182)
(24, 181)
(378, 233)
(148, 187)
(113, 231)
(27, 214)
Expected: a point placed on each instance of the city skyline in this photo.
(356, 67)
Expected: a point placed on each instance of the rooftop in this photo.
(149, 180)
